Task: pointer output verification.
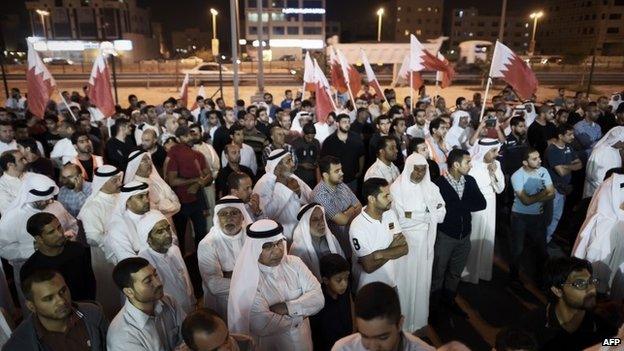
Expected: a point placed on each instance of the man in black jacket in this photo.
(462, 196)
(83, 324)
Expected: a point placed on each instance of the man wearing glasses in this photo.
(568, 321)
(75, 190)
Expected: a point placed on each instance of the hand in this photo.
(254, 204)
(279, 308)
(206, 180)
(293, 185)
(227, 274)
(398, 240)
(492, 167)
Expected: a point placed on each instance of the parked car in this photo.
(208, 69)
(287, 58)
(56, 61)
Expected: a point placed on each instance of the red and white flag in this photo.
(445, 76)
(352, 76)
(370, 76)
(201, 92)
(39, 83)
(514, 71)
(100, 93)
(419, 59)
(338, 80)
(324, 103)
(308, 73)
(184, 91)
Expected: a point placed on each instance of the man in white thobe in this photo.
(384, 167)
(281, 192)
(122, 237)
(13, 165)
(162, 198)
(607, 154)
(312, 238)
(166, 257)
(419, 207)
(286, 292)
(600, 239)
(149, 320)
(95, 216)
(217, 252)
(36, 195)
(459, 133)
(487, 171)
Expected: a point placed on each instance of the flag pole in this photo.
(411, 92)
(66, 105)
(487, 90)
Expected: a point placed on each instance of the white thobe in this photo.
(323, 130)
(122, 240)
(216, 254)
(600, 161)
(95, 214)
(247, 158)
(281, 204)
(413, 271)
(290, 282)
(133, 329)
(381, 170)
(212, 160)
(174, 276)
(162, 197)
(138, 131)
(7, 146)
(64, 150)
(353, 342)
(9, 188)
(481, 257)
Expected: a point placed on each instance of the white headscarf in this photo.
(246, 274)
(35, 187)
(615, 101)
(274, 159)
(529, 117)
(302, 241)
(231, 201)
(481, 147)
(128, 190)
(102, 175)
(296, 123)
(613, 136)
(147, 223)
(134, 160)
(65, 150)
(421, 192)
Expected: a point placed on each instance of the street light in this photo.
(380, 13)
(43, 14)
(215, 41)
(534, 16)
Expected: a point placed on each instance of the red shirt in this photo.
(188, 163)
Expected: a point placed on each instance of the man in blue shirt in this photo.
(587, 132)
(532, 188)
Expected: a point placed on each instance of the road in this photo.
(161, 79)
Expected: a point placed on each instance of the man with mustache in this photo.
(166, 258)
(149, 320)
(75, 190)
(568, 322)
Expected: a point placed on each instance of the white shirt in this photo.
(138, 131)
(417, 131)
(381, 170)
(9, 188)
(247, 158)
(132, 329)
(293, 283)
(212, 159)
(353, 342)
(323, 130)
(368, 235)
(161, 196)
(8, 146)
(122, 240)
(95, 215)
(15, 104)
(174, 276)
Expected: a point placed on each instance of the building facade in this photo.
(579, 27)
(287, 26)
(469, 24)
(421, 18)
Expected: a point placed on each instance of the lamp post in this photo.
(534, 16)
(43, 14)
(215, 41)
(380, 13)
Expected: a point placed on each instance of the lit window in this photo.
(407, 32)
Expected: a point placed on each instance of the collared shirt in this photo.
(73, 200)
(408, 342)
(381, 170)
(458, 185)
(368, 235)
(334, 201)
(188, 163)
(75, 338)
(133, 329)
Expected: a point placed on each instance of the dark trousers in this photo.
(532, 228)
(193, 211)
(449, 259)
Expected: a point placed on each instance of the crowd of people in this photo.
(262, 226)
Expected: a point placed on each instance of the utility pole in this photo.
(2, 58)
(260, 54)
(234, 39)
(501, 29)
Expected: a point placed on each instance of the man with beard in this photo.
(437, 144)
(149, 144)
(240, 185)
(118, 148)
(568, 322)
(149, 320)
(419, 129)
(12, 164)
(419, 146)
(162, 254)
(232, 156)
(85, 160)
(278, 141)
(383, 129)
(348, 147)
(606, 120)
(281, 192)
(587, 132)
(54, 313)
(247, 154)
(204, 330)
(75, 189)
(384, 167)
(459, 133)
(218, 251)
(542, 129)
(54, 251)
(150, 121)
(222, 134)
(35, 162)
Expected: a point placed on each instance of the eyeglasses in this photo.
(270, 246)
(582, 284)
(232, 213)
